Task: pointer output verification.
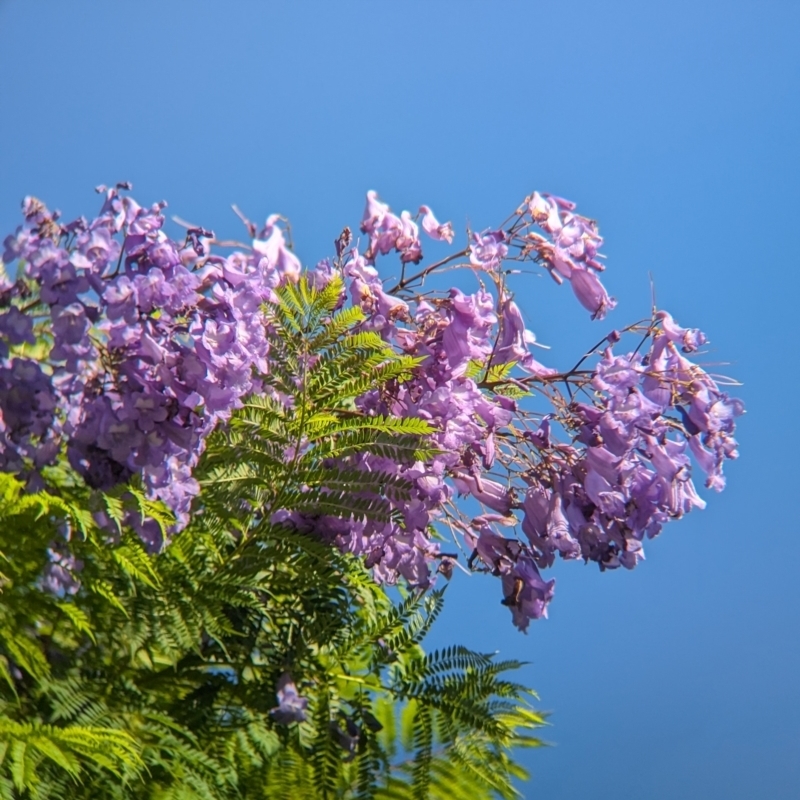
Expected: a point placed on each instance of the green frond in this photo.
(402, 426)
(72, 748)
(339, 324)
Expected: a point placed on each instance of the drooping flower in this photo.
(688, 338)
(374, 213)
(407, 242)
(442, 232)
(271, 244)
(526, 593)
(514, 339)
(291, 705)
(591, 293)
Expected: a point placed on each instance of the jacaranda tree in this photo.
(212, 462)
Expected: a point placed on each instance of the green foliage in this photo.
(156, 678)
(322, 363)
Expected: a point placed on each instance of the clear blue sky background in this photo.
(676, 124)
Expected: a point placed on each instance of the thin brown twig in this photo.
(422, 274)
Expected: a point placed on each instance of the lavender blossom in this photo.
(291, 706)
(487, 250)
(591, 293)
(442, 232)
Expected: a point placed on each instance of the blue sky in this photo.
(674, 124)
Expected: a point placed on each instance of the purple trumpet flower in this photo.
(442, 232)
(591, 293)
(291, 705)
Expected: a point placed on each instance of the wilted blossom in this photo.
(525, 592)
(291, 706)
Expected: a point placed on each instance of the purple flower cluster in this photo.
(572, 251)
(450, 335)
(389, 232)
(154, 342)
(625, 467)
(488, 249)
(150, 343)
(628, 470)
(29, 429)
